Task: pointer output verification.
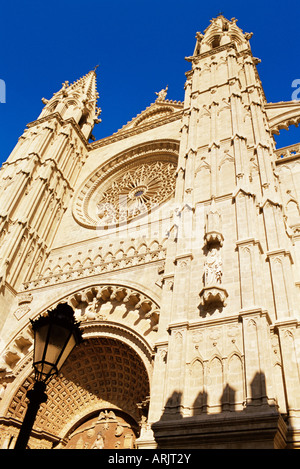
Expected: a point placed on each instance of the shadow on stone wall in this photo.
(258, 421)
(258, 398)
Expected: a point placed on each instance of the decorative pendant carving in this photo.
(213, 295)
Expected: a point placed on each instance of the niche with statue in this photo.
(213, 295)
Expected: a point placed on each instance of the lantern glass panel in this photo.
(40, 339)
(67, 350)
(55, 336)
(57, 339)
(53, 344)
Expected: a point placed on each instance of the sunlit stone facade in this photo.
(176, 242)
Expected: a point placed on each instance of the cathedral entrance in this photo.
(111, 377)
(95, 402)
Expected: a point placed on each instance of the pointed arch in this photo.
(57, 269)
(52, 106)
(196, 391)
(119, 254)
(66, 267)
(87, 262)
(142, 249)
(98, 259)
(235, 380)
(108, 257)
(215, 377)
(77, 265)
(293, 213)
(131, 251)
(154, 246)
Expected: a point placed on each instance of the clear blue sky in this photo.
(140, 47)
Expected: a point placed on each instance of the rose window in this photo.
(136, 192)
(131, 184)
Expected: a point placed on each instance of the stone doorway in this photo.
(99, 390)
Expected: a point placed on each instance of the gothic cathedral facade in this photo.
(176, 241)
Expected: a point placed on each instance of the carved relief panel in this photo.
(110, 430)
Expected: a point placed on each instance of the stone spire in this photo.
(78, 101)
(85, 87)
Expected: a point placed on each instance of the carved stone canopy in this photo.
(214, 237)
(213, 234)
(213, 294)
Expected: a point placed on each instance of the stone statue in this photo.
(99, 443)
(161, 95)
(213, 268)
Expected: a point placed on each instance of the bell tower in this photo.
(38, 181)
(228, 230)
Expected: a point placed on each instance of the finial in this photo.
(96, 67)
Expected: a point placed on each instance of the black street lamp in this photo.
(55, 336)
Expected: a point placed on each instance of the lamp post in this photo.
(55, 336)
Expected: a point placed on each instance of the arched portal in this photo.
(109, 372)
(95, 400)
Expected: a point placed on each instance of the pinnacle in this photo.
(87, 84)
(220, 32)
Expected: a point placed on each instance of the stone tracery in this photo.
(136, 192)
(134, 183)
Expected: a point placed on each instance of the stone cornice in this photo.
(287, 154)
(95, 271)
(214, 51)
(282, 114)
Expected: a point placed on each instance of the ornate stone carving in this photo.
(213, 268)
(110, 430)
(113, 302)
(79, 265)
(161, 95)
(116, 378)
(135, 192)
(23, 305)
(133, 183)
(213, 293)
